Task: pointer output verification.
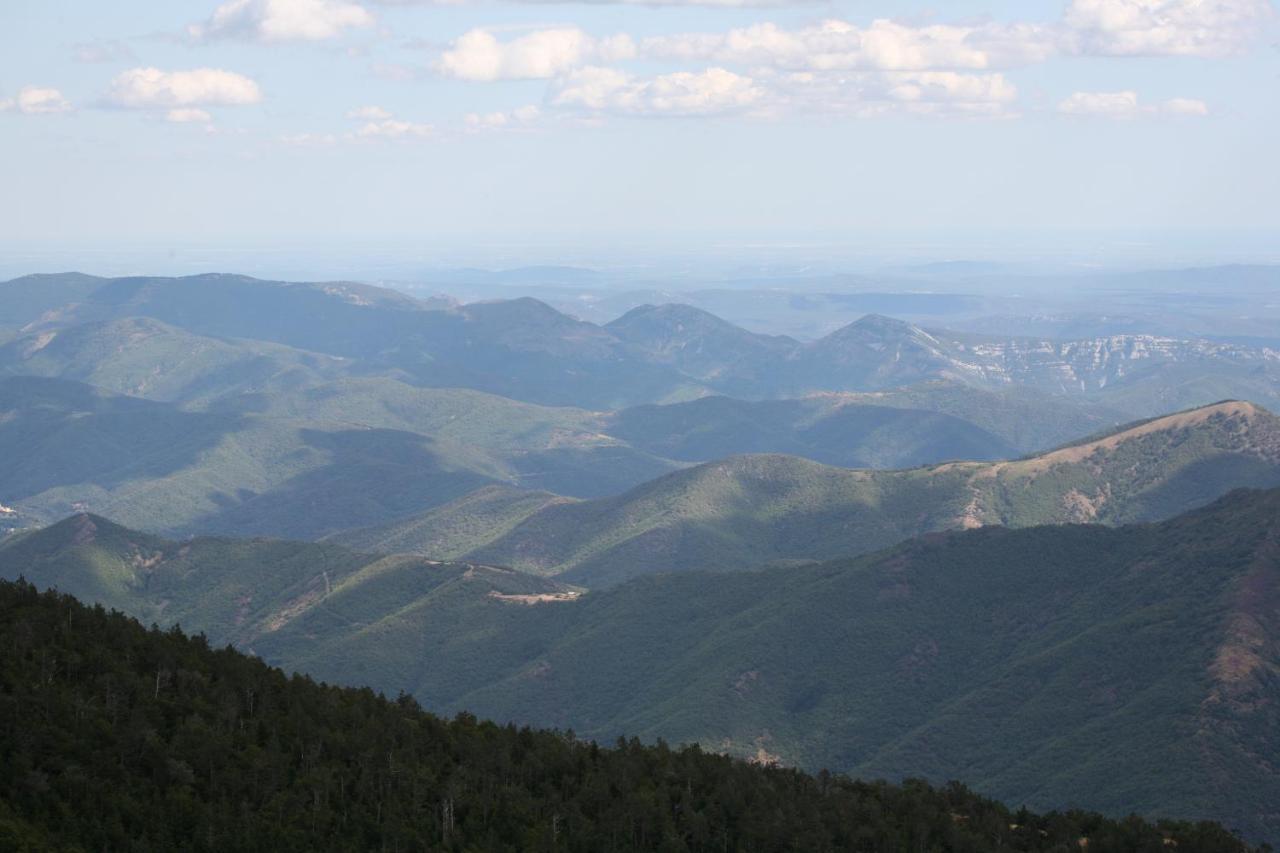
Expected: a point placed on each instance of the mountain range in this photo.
(1130, 668)
(524, 349)
(748, 511)
(225, 404)
(326, 457)
(892, 551)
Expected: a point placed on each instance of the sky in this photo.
(484, 124)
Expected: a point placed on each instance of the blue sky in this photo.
(272, 122)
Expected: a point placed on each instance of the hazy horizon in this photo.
(589, 125)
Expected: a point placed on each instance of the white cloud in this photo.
(478, 55)
(378, 124)
(183, 115)
(1110, 104)
(1165, 27)
(370, 113)
(883, 45)
(151, 88)
(710, 92)
(1126, 105)
(1089, 27)
(520, 117)
(36, 100)
(950, 87)
(391, 128)
(771, 94)
(282, 20)
(1185, 107)
(869, 94)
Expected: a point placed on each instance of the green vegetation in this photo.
(147, 358)
(67, 447)
(1121, 669)
(748, 511)
(830, 430)
(252, 454)
(235, 590)
(314, 409)
(119, 738)
(450, 531)
(1126, 669)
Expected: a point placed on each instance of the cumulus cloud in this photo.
(1205, 28)
(718, 91)
(378, 123)
(151, 88)
(282, 20)
(883, 45)
(1111, 104)
(479, 55)
(1126, 105)
(36, 100)
(520, 117)
(608, 90)
(1089, 27)
(391, 128)
(950, 87)
(868, 94)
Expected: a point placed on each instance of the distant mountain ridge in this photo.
(302, 463)
(280, 449)
(525, 349)
(748, 511)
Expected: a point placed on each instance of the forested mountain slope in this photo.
(1119, 669)
(120, 738)
(287, 455)
(751, 510)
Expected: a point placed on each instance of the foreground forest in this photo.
(119, 738)
(1120, 670)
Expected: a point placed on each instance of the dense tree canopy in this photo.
(113, 737)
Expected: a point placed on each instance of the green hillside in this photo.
(68, 447)
(327, 458)
(1025, 418)
(822, 429)
(147, 358)
(455, 528)
(123, 739)
(236, 590)
(753, 510)
(254, 457)
(1118, 669)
